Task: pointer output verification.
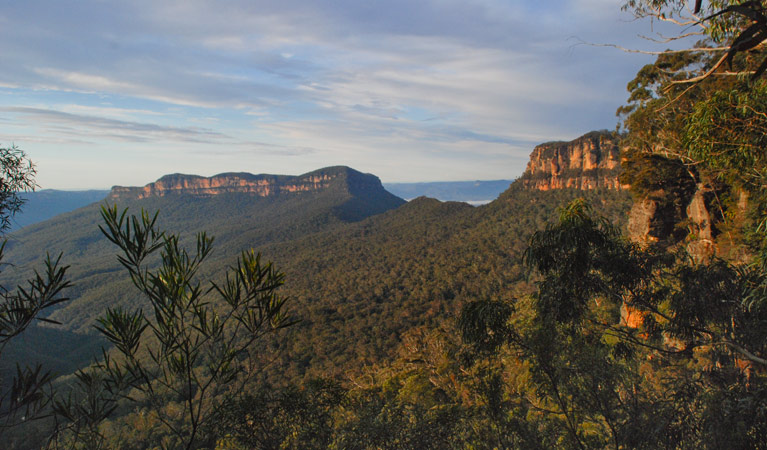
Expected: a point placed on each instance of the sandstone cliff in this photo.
(684, 213)
(588, 162)
(247, 183)
(694, 220)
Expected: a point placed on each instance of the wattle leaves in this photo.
(197, 348)
(123, 329)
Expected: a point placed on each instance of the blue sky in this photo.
(103, 93)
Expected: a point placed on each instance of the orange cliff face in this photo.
(588, 162)
(259, 185)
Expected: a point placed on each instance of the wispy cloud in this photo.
(86, 126)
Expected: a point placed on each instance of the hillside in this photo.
(239, 221)
(359, 288)
(48, 203)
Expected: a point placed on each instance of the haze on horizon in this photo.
(120, 93)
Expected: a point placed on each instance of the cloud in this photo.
(88, 127)
(230, 54)
(252, 148)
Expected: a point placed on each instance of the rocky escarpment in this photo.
(681, 211)
(695, 220)
(588, 162)
(247, 183)
(676, 205)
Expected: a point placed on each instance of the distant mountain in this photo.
(474, 192)
(262, 185)
(238, 220)
(47, 203)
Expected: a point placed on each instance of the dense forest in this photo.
(544, 319)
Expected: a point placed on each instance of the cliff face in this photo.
(246, 183)
(588, 162)
(693, 220)
(666, 217)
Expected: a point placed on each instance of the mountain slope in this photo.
(358, 288)
(239, 221)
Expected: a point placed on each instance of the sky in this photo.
(101, 93)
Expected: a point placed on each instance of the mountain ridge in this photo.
(262, 185)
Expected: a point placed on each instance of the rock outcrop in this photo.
(694, 220)
(666, 217)
(588, 162)
(247, 183)
(658, 218)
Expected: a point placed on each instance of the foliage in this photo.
(707, 141)
(361, 287)
(635, 348)
(737, 22)
(23, 392)
(18, 175)
(727, 131)
(24, 396)
(192, 348)
(684, 112)
(270, 417)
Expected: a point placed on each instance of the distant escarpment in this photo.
(588, 162)
(330, 178)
